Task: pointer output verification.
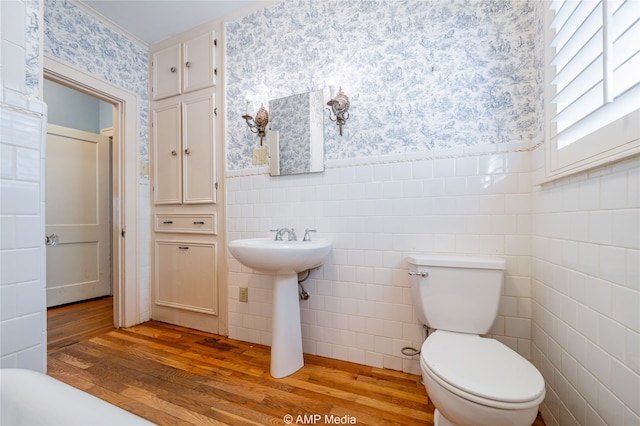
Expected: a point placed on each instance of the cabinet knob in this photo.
(188, 64)
(187, 151)
(173, 69)
(174, 152)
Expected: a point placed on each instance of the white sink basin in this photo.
(283, 259)
(280, 257)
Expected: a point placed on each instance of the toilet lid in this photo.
(481, 366)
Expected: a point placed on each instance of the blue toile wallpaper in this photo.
(75, 37)
(33, 61)
(420, 74)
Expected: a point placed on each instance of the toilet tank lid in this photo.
(457, 261)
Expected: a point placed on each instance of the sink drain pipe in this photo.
(301, 291)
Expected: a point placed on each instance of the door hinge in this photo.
(122, 233)
(215, 111)
(215, 185)
(215, 71)
(215, 42)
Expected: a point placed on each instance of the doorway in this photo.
(123, 230)
(77, 196)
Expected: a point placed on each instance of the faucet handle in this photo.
(292, 235)
(278, 236)
(307, 237)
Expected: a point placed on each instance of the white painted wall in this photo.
(73, 109)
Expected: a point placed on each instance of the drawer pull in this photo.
(183, 247)
(168, 222)
(198, 223)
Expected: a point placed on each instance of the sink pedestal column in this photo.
(286, 331)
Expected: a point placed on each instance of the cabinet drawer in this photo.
(187, 223)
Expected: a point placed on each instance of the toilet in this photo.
(471, 380)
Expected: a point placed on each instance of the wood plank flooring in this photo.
(172, 375)
(69, 324)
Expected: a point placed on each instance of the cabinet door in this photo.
(198, 144)
(186, 276)
(199, 62)
(167, 72)
(167, 154)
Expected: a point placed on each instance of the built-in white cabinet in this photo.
(189, 289)
(184, 67)
(186, 276)
(184, 150)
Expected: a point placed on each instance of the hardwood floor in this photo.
(172, 375)
(69, 324)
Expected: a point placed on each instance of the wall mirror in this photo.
(296, 134)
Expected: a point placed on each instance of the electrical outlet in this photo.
(243, 294)
(259, 156)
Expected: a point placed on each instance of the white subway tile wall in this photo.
(22, 251)
(571, 297)
(586, 282)
(23, 339)
(360, 308)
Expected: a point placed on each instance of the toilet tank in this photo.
(456, 293)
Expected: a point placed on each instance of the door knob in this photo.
(51, 240)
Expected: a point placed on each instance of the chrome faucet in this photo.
(291, 234)
(307, 237)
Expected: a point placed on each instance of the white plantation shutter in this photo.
(594, 60)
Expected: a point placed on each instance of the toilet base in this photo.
(440, 420)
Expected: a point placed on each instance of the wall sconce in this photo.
(259, 125)
(339, 111)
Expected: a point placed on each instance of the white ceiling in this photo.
(153, 21)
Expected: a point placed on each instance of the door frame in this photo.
(124, 184)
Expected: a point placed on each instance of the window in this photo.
(593, 83)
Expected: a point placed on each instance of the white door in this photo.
(78, 215)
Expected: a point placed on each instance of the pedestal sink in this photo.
(283, 259)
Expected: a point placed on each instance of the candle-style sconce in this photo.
(339, 108)
(259, 124)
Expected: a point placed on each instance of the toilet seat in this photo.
(482, 370)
